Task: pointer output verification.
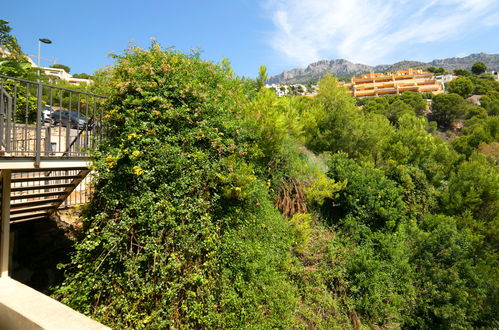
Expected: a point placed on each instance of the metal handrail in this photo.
(51, 86)
(22, 122)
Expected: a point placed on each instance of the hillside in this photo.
(342, 67)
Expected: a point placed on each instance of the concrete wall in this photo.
(22, 307)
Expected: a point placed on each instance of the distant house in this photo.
(60, 73)
(378, 84)
(475, 99)
(293, 89)
(494, 74)
(63, 75)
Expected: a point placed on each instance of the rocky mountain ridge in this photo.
(342, 67)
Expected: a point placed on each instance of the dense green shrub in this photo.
(452, 292)
(374, 200)
(181, 231)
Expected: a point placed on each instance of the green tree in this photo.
(61, 66)
(262, 77)
(437, 71)
(462, 72)
(14, 63)
(462, 86)
(82, 76)
(412, 145)
(334, 123)
(227, 67)
(478, 68)
(490, 102)
(484, 84)
(475, 188)
(378, 105)
(447, 108)
(397, 109)
(415, 100)
(8, 41)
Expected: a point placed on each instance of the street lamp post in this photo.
(45, 41)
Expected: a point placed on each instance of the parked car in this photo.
(68, 118)
(46, 113)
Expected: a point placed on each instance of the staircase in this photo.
(43, 161)
(37, 193)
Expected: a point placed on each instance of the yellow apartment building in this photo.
(378, 84)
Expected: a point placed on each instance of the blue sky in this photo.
(282, 34)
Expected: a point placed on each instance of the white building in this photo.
(295, 89)
(494, 74)
(445, 78)
(60, 73)
(63, 75)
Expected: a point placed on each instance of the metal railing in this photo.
(40, 120)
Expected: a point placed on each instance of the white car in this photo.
(46, 113)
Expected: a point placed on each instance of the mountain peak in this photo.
(342, 67)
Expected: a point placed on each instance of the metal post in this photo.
(5, 233)
(48, 146)
(39, 45)
(7, 124)
(2, 111)
(38, 132)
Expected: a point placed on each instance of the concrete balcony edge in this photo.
(22, 307)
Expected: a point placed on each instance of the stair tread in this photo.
(34, 202)
(31, 209)
(44, 194)
(29, 215)
(43, 217)
(41, 187)
(45, 178)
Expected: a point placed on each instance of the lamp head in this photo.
(45, 41)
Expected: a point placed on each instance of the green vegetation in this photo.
(447, 108)
(262, 77)
(61, 66)
(219, 205)
(462, 72)
(478, 68)
(462, 86)
(13, 63)
(8, 41)
(82, 76)
(437, 71)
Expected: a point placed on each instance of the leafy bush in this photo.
(452, 292)
(181, 231)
